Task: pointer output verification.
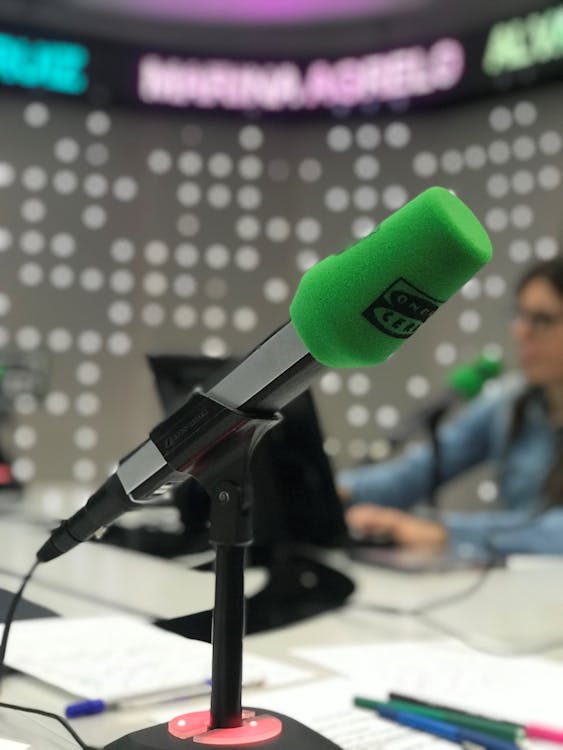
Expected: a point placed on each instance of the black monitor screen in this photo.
(295, 499)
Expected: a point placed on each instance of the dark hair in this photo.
(552, 272)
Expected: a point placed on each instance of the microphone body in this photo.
(272, 375)
(105, 506)
(350, 310)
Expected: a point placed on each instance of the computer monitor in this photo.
(295, 499)
(295, 506)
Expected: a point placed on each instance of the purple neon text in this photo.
(275, 86)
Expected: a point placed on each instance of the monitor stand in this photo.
(298, 587)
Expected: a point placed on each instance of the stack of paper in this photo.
(520, 689)
(115, 658)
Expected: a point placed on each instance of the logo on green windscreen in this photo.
(401, 309)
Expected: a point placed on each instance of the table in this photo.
(520, 608)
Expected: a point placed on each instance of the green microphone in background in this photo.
(464, 383)
(356, 308)
(467, 380)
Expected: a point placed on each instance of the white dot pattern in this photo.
(36, 115)
(5, 239)
(190, 237)
(153, 314)
(88, 373)
(32, 242)
(185, 316)
(213, 346)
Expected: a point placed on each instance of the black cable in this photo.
(50, 715)
(432, 604)
(421, 611)
(497, 650)
(462, 637)
(10, 617)
(3, 647)
(444, 601)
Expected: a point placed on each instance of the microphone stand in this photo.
(223, 470)
(432, 424)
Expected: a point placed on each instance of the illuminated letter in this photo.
(506, 48)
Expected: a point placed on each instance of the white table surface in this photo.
(515, 608)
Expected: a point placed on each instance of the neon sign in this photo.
(402, 73)
(43, 64)
(522, 42)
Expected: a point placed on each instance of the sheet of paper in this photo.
(121, 657)
(275, 673)
(521, 689)
(11, 745)
(534, 562)
(106, 657)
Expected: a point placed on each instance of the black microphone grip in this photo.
(104, 507)
(425, 418)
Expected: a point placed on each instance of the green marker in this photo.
(500, 729)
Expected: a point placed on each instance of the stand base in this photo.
(294, 736)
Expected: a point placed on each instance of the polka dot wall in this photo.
(124, 233)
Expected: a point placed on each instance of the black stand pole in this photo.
(226, 724)
(436, 478)
(227, 637)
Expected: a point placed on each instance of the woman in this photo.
(520, 428)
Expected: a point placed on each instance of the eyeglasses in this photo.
(538, 321)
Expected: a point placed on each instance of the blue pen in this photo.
(98, 706)
(445, 730)
(86, 708)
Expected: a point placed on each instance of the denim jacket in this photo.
(478, 434)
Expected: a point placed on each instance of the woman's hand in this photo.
(404, 528)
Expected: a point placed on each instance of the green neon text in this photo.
(43, 64)
(522, 42)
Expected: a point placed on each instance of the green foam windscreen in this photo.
(356, 308)
(468, 379)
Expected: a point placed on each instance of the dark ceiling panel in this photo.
(331, 27)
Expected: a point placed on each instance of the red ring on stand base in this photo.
(188, 725)
(254, 729)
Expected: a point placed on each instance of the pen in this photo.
(93, 706)
(98, 705)
(532, 731)
(447, 731)
(506, 731)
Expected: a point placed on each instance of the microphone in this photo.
(464, 383)
(353, 309)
